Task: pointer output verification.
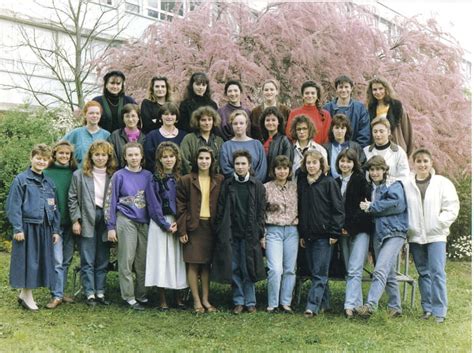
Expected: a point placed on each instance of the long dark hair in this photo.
(281, 121)
(198, 77)
(212, 169)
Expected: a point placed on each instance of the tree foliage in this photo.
(293, 42)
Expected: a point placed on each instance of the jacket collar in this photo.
(394, 147)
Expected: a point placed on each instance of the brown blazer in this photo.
(188, 201)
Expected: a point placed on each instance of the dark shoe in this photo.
(68, 300)
(394, 313)
(143, 302)
(364, 310)
(251, 309)
(136, 306)
(181, 306)
(25, 305)
(439, 319)
(426, 315)
(287, 309)
(54, 303)
(91, 302)
(102, 301)
(308, 313)
(349, 313)
(238, 309)
(163, 308)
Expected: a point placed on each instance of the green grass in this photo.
(78, 328)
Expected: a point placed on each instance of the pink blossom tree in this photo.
(294, 42)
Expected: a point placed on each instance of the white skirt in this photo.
(165, 266)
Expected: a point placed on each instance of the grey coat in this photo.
(81, 202)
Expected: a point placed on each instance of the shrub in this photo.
(459, 241)
(20, 130)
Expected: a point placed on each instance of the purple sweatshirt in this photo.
(129, 194)
(226, 128)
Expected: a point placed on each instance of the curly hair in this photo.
(70, 146)
(163, 147)
(300, 119)
(100, 146)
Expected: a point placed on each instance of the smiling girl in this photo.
(321, 219)
(165, 267)
(275, 143)
(355, 235)
(130, 133)
(159, 92)
(60, 170)
(239, 120)
(82, 137)
(197, 195)
(86, 205)
(198, 94)
(127, 223)
(34, 215)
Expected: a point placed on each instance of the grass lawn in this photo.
(78, 328)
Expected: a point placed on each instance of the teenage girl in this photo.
(197, 205)
(60, 170)
(130, 133)
(86, 206)
(281, 235)
(32, 210)
(355, 235)
(321, 219)
(240, 229)
(127, 223)
(165, 267)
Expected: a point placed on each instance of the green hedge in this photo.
(460, 239)
(20, 130)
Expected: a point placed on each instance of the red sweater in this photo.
(321, 123)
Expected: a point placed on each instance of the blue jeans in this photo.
(281, 250)
(63, 253)
(384, 276)
(430, 262)
(94, 258)
(318, 255)
(355, 250)
(243, 289)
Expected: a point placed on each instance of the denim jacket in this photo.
(32, 199)
(389, 208)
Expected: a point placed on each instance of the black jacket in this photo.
(149, 115)
(186, 109)
(221, 270)
(358, 189)
(280, 145)
(320, 208)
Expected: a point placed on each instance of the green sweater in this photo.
(61, 177)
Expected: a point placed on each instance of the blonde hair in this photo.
(57, 146)
(98, 146)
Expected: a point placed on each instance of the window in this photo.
(132, 6)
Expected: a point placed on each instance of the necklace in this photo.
(110, 102)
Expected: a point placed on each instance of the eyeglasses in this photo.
(302, 129)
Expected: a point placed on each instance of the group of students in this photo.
(189, 196)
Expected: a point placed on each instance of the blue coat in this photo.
(32, 199)
(389, 208)
(358, 115)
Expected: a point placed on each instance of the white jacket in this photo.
(429, 221)
(395, 157)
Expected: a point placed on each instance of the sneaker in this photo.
(91, 302)
(287, 309)
(426, 315)
(55, 302)
(364, 310)
(439, 319)
(102, 301)
(308, 313)
(143, 301)
(136, 306)
(271, 310)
